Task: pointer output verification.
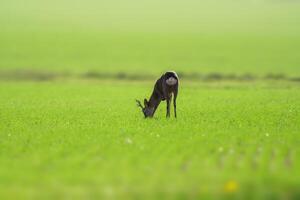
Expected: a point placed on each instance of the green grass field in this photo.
(80, 135)
(89, 140)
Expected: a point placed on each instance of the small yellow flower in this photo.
(231, 186)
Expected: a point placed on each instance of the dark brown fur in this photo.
(161, 92)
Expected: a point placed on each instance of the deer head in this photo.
(147, 110)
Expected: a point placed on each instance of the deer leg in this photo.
(168, 107)
(174, 103)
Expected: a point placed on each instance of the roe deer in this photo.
(164, 87)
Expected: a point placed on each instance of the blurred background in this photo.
(255, 37)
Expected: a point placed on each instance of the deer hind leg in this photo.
(174, 103)
(168, 106)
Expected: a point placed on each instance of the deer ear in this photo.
(145, 102)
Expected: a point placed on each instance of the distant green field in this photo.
(256, 37)
(89, 140)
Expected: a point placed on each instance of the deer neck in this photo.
(154, 101)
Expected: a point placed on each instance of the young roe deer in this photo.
(164, 87)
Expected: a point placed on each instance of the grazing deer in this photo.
(163, 89)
